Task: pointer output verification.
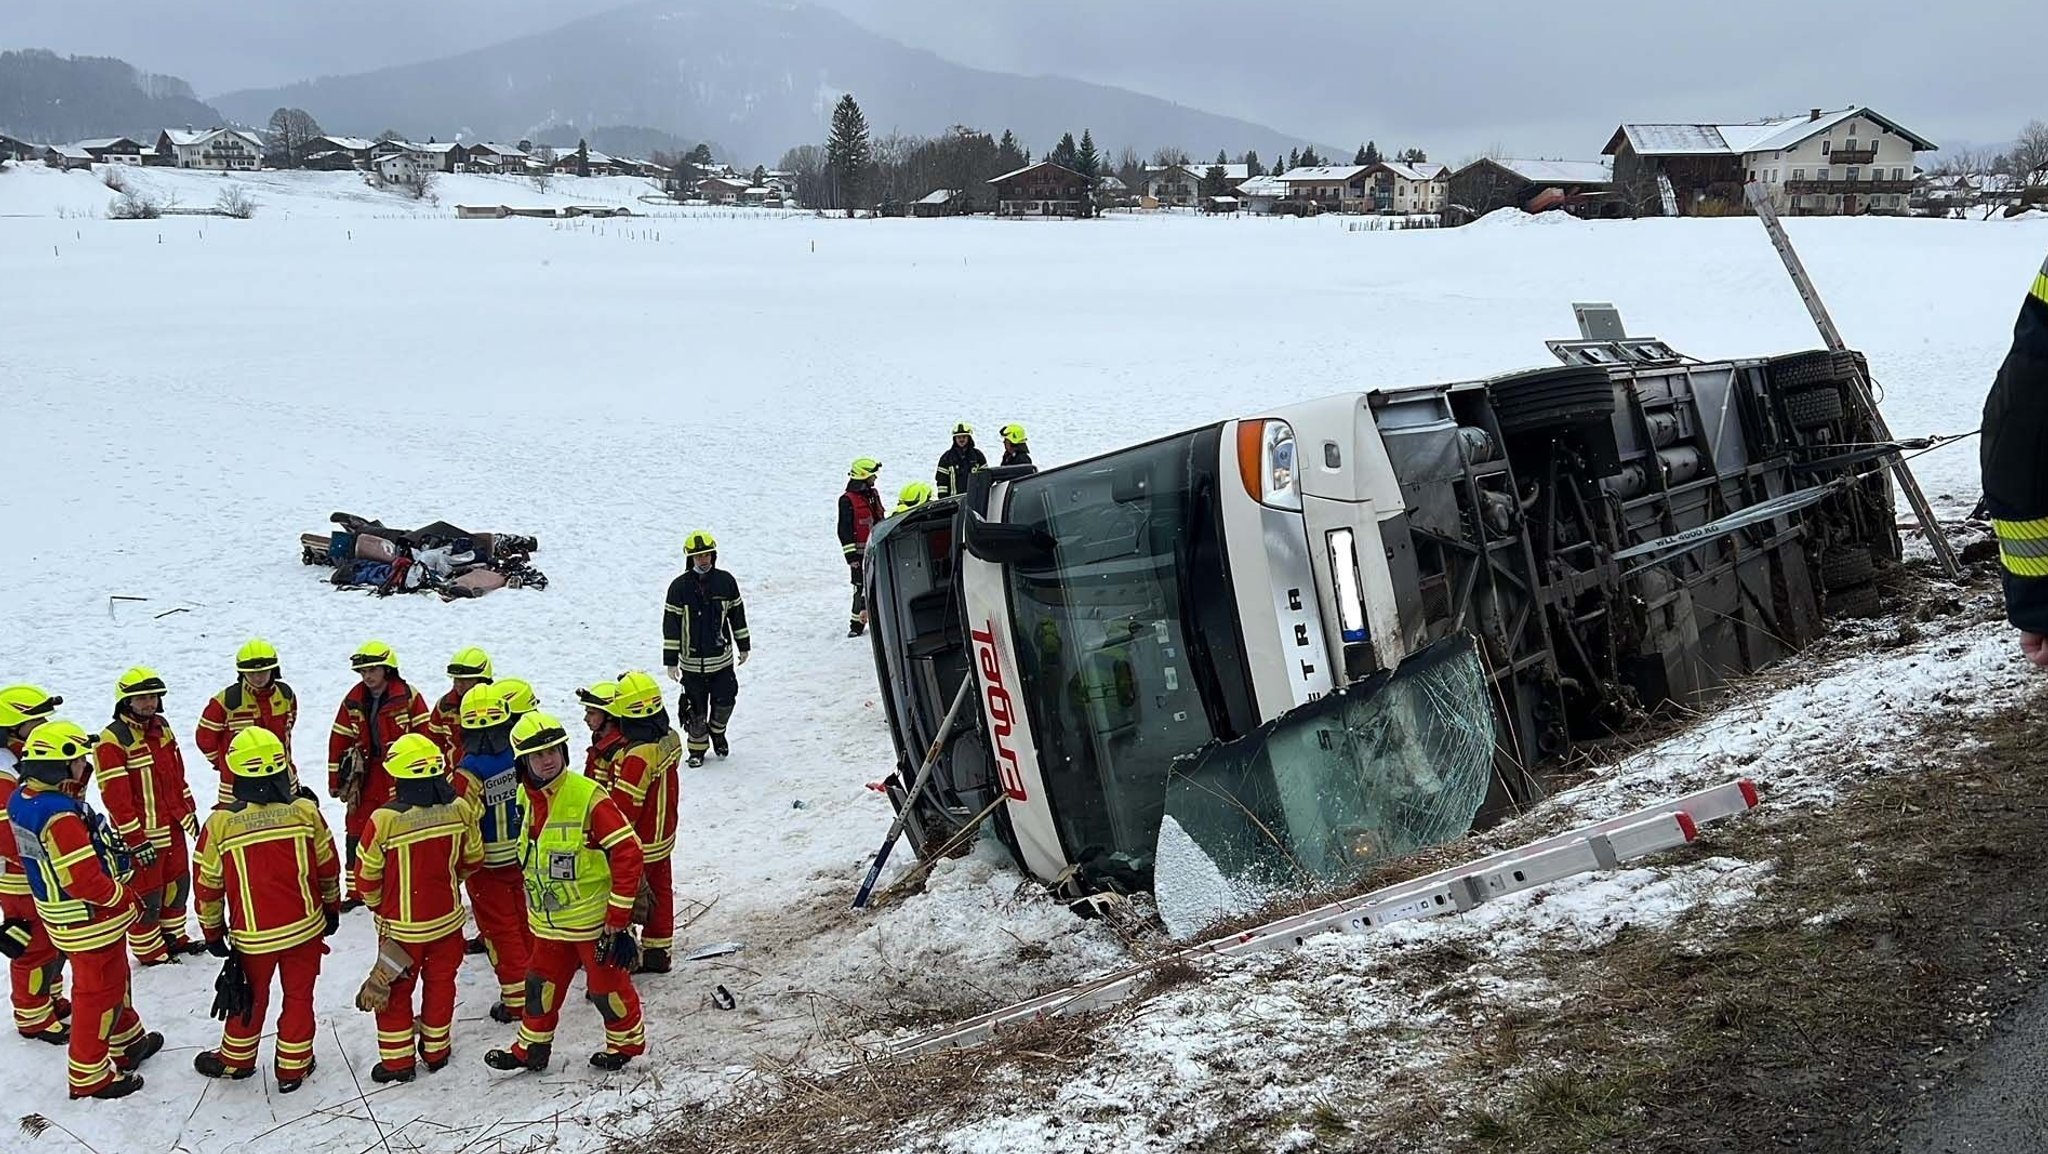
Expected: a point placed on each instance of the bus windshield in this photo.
(1127, 642)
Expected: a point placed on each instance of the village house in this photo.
(1042, 189)
(1848, 161)
(214, 149)
(1180, 185)
(1580, 187)
(1406, 188)
(1328, 187)
(721, 189)
(939, 202)
(496, 159)
(112, 150)
(21, 150)
(67, 158)
(1262, 194)
(337, 153)
(402, 167)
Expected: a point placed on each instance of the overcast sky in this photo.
(1456, 79)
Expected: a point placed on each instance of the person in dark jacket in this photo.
(860, 510)
(2015, 464)
(704, 639)
(1016, 447)
(960, 460)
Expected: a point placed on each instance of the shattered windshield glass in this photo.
(1320, 795)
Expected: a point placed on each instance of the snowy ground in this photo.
(185, 396)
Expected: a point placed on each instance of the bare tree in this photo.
(1170, 155)
(2030, 152)
(234, 201)
(290, 131)
(807, 163)
(544, 171)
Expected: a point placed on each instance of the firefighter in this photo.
(959, 461)
(35, 968)
(860, 510)
(582, 866)
(518, 698)
(644, 788)
(378, 710)
(2016, 474)
(704, 636)
(914, 494)
(489, 781)
(417, 851)
(74, 862)
(269, 892)
(258, 697)
(141, 777)
(469, 668)
(1016, 447)
(606, 741)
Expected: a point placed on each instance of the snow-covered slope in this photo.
(184, 397)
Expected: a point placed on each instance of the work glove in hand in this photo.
(14, 938)
(333, 921)
(675, 673)
(617, 949)
(144, 854)
(233, 997)
(743, 656)
(218, 947)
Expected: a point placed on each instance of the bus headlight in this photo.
(1350, 598)
(1266, 462)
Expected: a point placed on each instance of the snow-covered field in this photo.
(183, 397)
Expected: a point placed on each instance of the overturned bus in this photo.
(1342, 629)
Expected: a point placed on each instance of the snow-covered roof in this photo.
(757, 190)
(1559, 171)
(349, 143)
(189, 138)
(938, 196)
(104, 143)
(1420, 171)
(1111, 184)
(1033, 168)
(71, 152)
(1263, 186)
(433, 149)
(1758, 136)
(725, 181)
(1197, 168)
(497, 150)
(1222, 200)
(1322, 173)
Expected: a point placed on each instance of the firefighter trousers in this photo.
(608, 988)
(497, 898)
(706, 705)
(37, 975)
(296, 970)
(176, 863)
(660, 932)
(103, 1018)
(163, 890)
(434, 965)
(860, 595)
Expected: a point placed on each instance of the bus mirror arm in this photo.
(999, 544)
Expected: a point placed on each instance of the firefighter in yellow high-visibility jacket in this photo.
(2015, 463)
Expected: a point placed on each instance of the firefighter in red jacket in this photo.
(34, 966)
(378, 710)
(74, 862)
(417, 850)
(469, 668)
(600, 761)
(644, 787)
(860, 510)
(582, 867)
(489, 782)
(258, 697)
(141, 777)
(2015, 466)
(269, 891)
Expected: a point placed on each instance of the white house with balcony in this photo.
(1852, 160)
(217, 149)
(1407, 188)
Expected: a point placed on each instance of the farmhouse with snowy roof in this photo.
(1042, 189)
(1330, 187)
(1580, 187)
(216, 149)
(1849, 161)
(113, 150)
(1180, 185)
(1394, 187)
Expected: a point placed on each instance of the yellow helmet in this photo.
(863, 469)
(599, 696)
(414, 758)
(963, 429)
(639, 696)
(535, 732)
(914, 494)
(62, 741)
(21, 704)
(138, 682)
(699, 543)
(1014, 434)
(371, 655)
(484, 707)
(256, 752)
(256, 656)
(471, 662)
(517, 696)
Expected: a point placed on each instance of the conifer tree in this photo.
(849, 154)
